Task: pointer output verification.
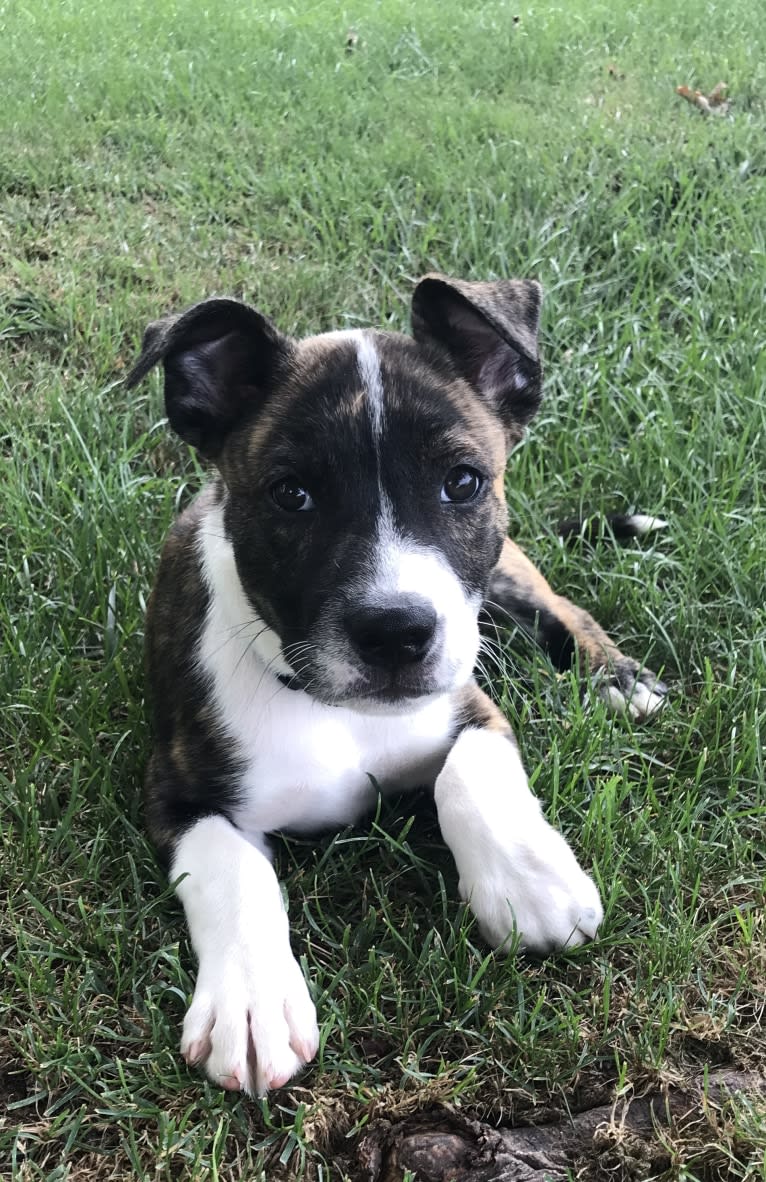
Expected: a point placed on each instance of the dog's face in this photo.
(363, 477)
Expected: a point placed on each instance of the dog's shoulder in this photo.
(180, 554)
(179, 601)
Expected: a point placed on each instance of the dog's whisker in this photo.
(245, 624)
(292, 652)
(501, 607)
(483, 670)
(307, 687)
(251, 641)
(305, 646)
(494, 653)
(489, 645)
(237, 634)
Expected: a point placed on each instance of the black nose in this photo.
(394, 634)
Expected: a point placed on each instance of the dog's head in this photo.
(362, 475)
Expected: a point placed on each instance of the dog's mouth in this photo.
(398, 691)
(395, 693)
(368, 689)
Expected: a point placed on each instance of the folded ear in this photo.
(219, 359)
(489, 331)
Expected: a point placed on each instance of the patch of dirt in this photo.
(635, 1138)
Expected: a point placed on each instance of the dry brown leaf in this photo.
(717, 95)
(713, 103)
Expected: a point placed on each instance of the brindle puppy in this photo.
(314, 624)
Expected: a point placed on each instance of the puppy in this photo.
(314, 623)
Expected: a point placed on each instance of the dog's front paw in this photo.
(629, 688)
(517, 873)
(251, 1024)
(532, 886)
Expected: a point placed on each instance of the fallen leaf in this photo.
(717, 95)
(714, 103)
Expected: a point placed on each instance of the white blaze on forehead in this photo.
(369, 371)
(368, 365)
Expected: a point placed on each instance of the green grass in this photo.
(152, 154)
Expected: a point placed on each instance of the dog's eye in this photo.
(291, 496)
(462, 484)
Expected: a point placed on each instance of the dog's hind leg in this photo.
(519, 593)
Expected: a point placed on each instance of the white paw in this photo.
(251, 1024)
(628, 688)
(517, 873)
(531, 884)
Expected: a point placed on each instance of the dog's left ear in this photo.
(220, 358)
(489, 331)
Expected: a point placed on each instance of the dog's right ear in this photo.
(219, 359)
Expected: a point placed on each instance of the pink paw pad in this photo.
(233, 1082)
(196, 1051)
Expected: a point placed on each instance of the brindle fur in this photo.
(475, 708)
(191, 771)
(250, 399)
(520, 594)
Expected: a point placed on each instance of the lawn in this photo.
(316, 160)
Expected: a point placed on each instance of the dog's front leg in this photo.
(517, 873)
(518, 590)
(252, 1023)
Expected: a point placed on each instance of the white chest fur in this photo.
(307, 765)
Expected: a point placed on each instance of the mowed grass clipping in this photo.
(152, 154)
